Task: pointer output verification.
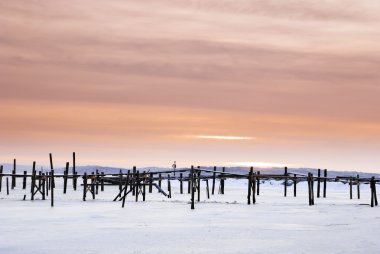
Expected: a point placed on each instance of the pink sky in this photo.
(126, 83)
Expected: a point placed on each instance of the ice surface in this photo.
(222, 224)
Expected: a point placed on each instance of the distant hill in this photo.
(240, 170)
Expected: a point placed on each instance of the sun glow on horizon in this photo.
(223, 137)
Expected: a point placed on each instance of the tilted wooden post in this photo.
(207, 189)
(125, 189)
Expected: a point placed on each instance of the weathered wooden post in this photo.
(150, 182)
(47, 183)
(52, 189)
(207, 189)
(125, 189)
(312, 188)
(43, 185)
(120, 180)
(1, 177)
(324, 183)
(34, 173)
(199, 185)
(213, 181)
(159, 180)
(7, 186)
(65, 175)
(93, 184)
(189, 184)
(24, 181)
(73, 173)
(181, 183)
(309, 188)
(169, 187)
(97, 182)
(137, 185)
(192, 186)
(102, 182)
(358, 185)
(285, 181)
(222, 181)
(249, 186)
(51, 168)
(145, 177)
(319, 183)
(373, 192)
(254, 188)
(350, 181)
(295, 185)
(258, 183)
(84, 186)
(13, 184)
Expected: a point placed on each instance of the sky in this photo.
(203, 82)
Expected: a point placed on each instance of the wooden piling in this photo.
(65, 175)
(159, 180)
(213, 181)
(43, 183)
(192, 186)
(97, 182)
(102, 181)
(249, 186)
(207, 190)
(137, 185)
(1, 177)
(258, 183)
(222, 182)
(285, 181)
(150, 182)
(358, 185)
(24, 181)
(324, 183)
(169, 188)
(52, 189)
(33, 180)
(125, 189)
(13, 177)
(189, 184)
(84, 186)
(7, 186)
(199, 186)
(254, 188)
(350, 183)
(181, 183)
(144, 183)
(319, 183)
(295, 185)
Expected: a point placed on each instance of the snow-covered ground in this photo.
(222, 224)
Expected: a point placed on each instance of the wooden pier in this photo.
(135, 183)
